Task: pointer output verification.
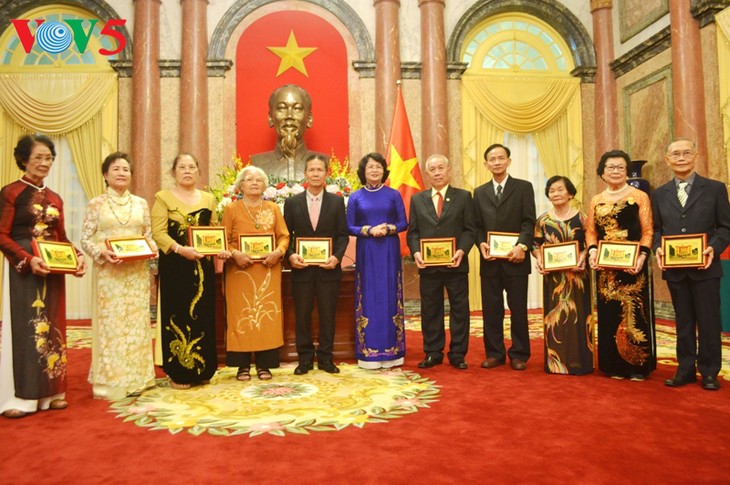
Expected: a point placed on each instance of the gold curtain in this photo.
(75, 105)
(547, 108)
(723, 61)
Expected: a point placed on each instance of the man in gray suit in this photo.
(692, 204)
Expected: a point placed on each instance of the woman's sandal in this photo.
(178, 386)
(244, 374)
(263, 374)
(14, 413)
(58, 404)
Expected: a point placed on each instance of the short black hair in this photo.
(25, 147)
(496, 145)
(321, 158)
(364, 161)
(612, 154)
(111, 159)
(557, 178)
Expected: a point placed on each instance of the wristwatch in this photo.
(522, 246)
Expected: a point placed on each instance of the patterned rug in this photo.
(315, 402)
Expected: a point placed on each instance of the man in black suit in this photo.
(316, 213)
(504, 204)
(443, 212)
(692, 204)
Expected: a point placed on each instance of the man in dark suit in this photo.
(316, 213)
(504, 204)
(443, 212)
(692, 204)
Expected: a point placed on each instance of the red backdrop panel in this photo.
(256, 68)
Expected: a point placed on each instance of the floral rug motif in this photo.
(286, 404)
(317, 401)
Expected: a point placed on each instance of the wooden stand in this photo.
(344, 346)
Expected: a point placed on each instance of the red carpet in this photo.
(489, 426)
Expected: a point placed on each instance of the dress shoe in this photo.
(328, 366)
(710, 383)
(518, 364)
(680, 379)
(459, 364)
(303, 368)
(429, 362)
(491, 363)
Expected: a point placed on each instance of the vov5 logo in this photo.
(54, 36)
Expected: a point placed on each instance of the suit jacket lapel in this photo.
(694, 193)
(447, 200)
(305, 210)
(506, 191)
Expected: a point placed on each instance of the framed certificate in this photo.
(130, 248)
(559, 256)
(314, 250)
(501, 243)
(617, 254)
(59, 256)
(684, 251)
(438, 251)
(207, 239)
(256, 246)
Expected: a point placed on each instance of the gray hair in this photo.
(249, 169)
(694, 145)
(434, 157)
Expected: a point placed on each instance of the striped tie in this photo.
(682, 193)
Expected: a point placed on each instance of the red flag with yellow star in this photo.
(405, 173)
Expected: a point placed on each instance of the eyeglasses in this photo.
(684, 154)
(253, 179)
(615, 168)
(496, 159)
(39, 158)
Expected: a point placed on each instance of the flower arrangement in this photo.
(340, 181)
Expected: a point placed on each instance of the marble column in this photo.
(434, 100)
(194, 84)
(605, 98)
(387, 68)
(145, 136)
(688, 93)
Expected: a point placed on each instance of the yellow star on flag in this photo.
(292, 55)
(400, 170)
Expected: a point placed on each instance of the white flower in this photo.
(270, 193)
(285, 191)
(297, 189)
(333, 189)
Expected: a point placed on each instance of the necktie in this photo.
(499, 193)
(682, 193)
(314, 213)
(439, 204)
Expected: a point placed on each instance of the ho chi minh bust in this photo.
(290, 114)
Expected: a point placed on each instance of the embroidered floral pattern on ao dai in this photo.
(121, 350)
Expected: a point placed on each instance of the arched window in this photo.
(517, 43)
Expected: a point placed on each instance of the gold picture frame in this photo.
(438, 251)
(314, 250)
(130, 248)
(501, 243)
(208, 240)
(617, 254)
(684, 251)
(60, 257)
(256, 246)
(559, 256)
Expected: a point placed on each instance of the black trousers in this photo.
(432, 287)
(697, 310)
(265, 359)
(493, 315)
(304, 294)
